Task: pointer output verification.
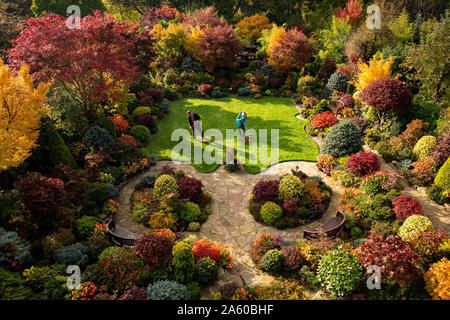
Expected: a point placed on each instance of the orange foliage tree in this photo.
(250, 28)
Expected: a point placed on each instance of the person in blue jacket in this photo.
(241, 121)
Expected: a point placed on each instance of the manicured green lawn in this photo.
(267, 113)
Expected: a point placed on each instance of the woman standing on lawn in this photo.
(241, 122)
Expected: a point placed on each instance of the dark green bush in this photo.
(97, 138)
(344, 139)
(206, 270)
(190, 212)
(436, 194)
(147, 181)
(273, 261)
(183, 262)
(85, 226)
(51, 149)
(107, 124)
(216, 94)
(13, 247)
(244, 92)
(141, 133)
(12, 286)
(337, 82)
(95, 196)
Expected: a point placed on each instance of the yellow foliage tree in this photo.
(275, 36)
(121, 12)
(250, 28)
(21, 109)
(377, 68)
(192, 39)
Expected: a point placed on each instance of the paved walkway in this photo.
(231, 223)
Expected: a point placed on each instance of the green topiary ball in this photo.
(414, 224)
(290, 187)
(442, 178)
(167, 290)
(164, 186)
(206, 270)
(244, 92)
(424, 147)
(141, 133)
(271, 212)
(273, 261)
(340, 272)
(190, 212)
(344, 139)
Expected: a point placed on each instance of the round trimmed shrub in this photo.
(414, 224)
(244, 92)
(442, 178)
(424, 147)
(141, 133)
(216, 94)
(97, 138)
(323, 120)
(139, 111)
(164, 186)
(273, 261)
(271, 212)
(387, 94)
(206, 270)
(340, 272)
(344, 139)
(363, 163)
(265, 191)
(153, 248)
(441, 151)
(191, 189)
(405, 206)
(74, 254)
(190, 212)
(291, 187)
(167, 290)
(183, 262)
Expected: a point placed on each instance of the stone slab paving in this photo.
(231, 223)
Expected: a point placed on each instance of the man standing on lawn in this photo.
(241, 121)
(195, 123)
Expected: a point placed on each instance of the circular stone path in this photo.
(232, 224)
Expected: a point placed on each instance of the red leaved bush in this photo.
(394, 256)
(265, 191)
(89, 61)
(190, 188)
(327, 69)
(218, 47)
(427, 245)
(42, 195)
(293, 258)
(150, 96)
(352, 11)
(441, 151)
(323, 120)
(204, 18)
(120, 123)
(363, 163)
(152, 15)
(387, 94)
(292, 51)
(153, 248)
(205, 89)
(423, 171)
(145, 120)
(291, 206)
(405, 206)
(205, 248)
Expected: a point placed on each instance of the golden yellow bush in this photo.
(192, 39)
(377, 68)
(21, 109)
(276, 33)
(170, 40)
(437, 280)
(250, 28)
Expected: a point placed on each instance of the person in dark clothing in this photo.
(195, 123)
